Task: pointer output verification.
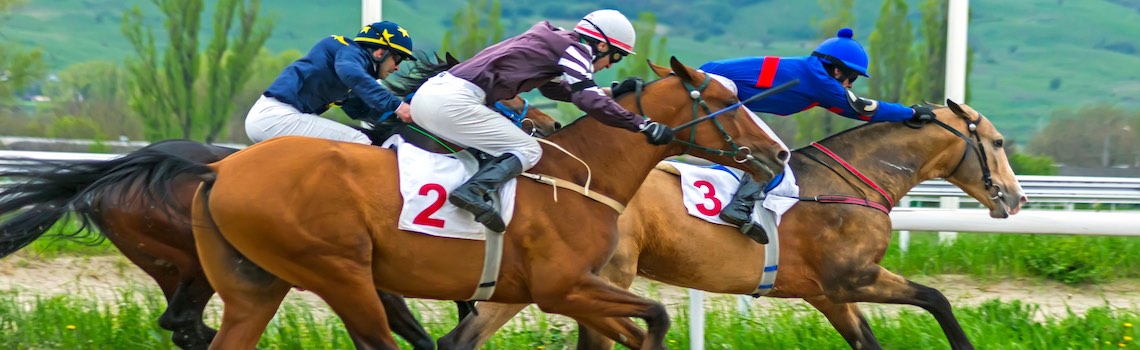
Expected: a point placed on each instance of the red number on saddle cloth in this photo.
(711, 194)
(424, 218)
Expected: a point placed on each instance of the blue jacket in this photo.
(334, 70)
(753, 75)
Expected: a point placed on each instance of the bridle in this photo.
(974, 143)
(740, 154)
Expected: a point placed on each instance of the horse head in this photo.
(731, 138)
(975, 160)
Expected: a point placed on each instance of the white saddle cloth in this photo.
(707, 187)
(426, 179)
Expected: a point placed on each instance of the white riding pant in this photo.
(271, 118)
(453, 109)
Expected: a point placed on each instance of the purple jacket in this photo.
(534, 58)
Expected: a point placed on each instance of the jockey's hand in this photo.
(627, 85)
(922, 113)
(404, 112)
(657, 133)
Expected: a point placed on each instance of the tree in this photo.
(1093, 136)
(890, 46)
(474, 28)
(18, 68)
(95, 90)
(646, 47)
(818, 123)
(927, 77)
(166, 91)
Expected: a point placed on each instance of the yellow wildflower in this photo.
(70, 327)
(1128, 324)
(1127, 338)
(1121, 344)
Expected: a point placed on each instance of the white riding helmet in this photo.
(609, 26)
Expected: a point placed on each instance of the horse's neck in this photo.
(619, 160)
(896, 160)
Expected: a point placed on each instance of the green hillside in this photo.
(1021, 46)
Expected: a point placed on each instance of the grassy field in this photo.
(1020, 45)
(80, 322)
(1067, 259)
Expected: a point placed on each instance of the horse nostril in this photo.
(783, 155)
(557, 125)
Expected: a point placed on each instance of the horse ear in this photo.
(661, 71)
(954, 107)
(451, 60)
(680, 69)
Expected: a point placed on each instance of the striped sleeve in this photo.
(576, 68)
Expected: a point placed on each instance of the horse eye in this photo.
(998, 143)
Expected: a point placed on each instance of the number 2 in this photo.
(424, 218)
(711, 194)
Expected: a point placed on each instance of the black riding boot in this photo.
(474, 195)
(739, 211)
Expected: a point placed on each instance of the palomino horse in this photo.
(159, 241)
(829, 253)
(325, 220)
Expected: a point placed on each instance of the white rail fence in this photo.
(1055, 192)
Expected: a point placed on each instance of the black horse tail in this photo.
(407, 81)
(50, 189)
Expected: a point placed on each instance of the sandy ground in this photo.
(106, 277)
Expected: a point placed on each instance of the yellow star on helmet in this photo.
(366, 29)
(388, 36)
(403, 31)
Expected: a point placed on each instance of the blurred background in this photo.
(1059, 78)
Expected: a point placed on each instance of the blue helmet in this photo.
(842, 50)
(388, 35)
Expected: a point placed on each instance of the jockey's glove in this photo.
(922, 113)
(657, 133)
(627, 85)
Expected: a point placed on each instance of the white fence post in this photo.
(904, 235)
(945, 237)
(696, 320)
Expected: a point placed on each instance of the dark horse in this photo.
(162, 244)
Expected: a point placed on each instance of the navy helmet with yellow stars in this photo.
(387, 35)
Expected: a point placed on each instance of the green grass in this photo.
(79, 322)
(1068, 259)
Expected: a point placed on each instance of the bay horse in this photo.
(322, 223)
(159, 241)
(829, 253)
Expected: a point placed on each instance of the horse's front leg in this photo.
(403, 323)
(875, 284)
(848, 321)
(474, 329)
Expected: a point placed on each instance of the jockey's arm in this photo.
(844, 102)
(349, 66)
(578, 83)
(356, 109)
(554, 90)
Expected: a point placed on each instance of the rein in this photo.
(973, 142)
(740, 154)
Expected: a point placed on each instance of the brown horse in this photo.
(160, 241)
(320, 222)
(829, 253)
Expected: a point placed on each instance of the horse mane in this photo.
(403, 83)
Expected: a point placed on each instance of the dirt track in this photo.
(104, 277)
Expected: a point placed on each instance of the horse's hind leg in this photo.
(402, 321)
(250, 294)
(876, 284)
(848, 321)
(475, 329)
(592, 298)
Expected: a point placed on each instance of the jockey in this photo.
(561, 64)
(825, 81)
(335, 71)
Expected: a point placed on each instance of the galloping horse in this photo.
(829, 253)
(325, 220)
(160, 241)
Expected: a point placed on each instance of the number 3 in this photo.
(711, 194)
(424, 218)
